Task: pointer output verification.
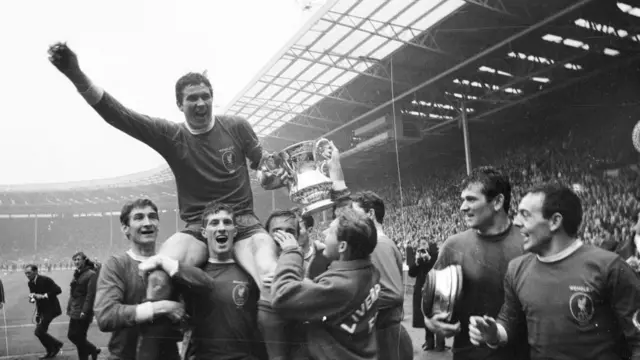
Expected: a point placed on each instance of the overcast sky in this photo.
(136, 50)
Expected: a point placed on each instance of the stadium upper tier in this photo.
(158, 183)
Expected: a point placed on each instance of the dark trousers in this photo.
(429, 340)
(279, 341)
(49, 342)
(78, 336)
(394, 343)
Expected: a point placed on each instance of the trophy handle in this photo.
(318, 154)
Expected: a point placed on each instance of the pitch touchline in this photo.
(32, 325)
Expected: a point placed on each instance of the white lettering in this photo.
(372, 322)
(360, 313)
(578, 288)
(350, 328)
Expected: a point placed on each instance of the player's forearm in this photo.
(197, 280)
(503, 337)
(89, 91)
(303, 299)
(112, 316)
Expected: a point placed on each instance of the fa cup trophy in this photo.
(307, 167)
(441, 291)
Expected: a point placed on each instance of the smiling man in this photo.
(208, 156)
(121, 289)
(223, 297)
(576, 299)
(483, 251)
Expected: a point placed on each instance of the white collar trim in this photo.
(216, 261)
(562, 254)
(201, 131)
(135, 257)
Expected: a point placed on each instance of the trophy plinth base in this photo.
(317, 206)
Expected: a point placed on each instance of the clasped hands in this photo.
(482, 329)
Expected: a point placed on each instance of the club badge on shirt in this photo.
(581, 306)
(229, 159)
(240, 293)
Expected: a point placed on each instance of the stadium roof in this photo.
(344, 40)
(355, 60)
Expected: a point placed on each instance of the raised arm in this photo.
(157, 133)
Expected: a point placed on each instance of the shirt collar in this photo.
(201, 131)
(350, 265)
(562, 254)
(135, 257)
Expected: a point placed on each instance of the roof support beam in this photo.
(495, 6)
(336, 61)
(420, 39)
(562, 85)
(271, 136)
(462, 64)
(277, 110)
(286, 54)
(290, 109)
(339, 93)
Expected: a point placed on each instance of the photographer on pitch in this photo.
(43, 291)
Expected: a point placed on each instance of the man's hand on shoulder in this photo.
(163, 262)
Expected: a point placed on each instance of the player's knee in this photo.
(265, 253)
(159, 286)
(39, 331)
(185, 248)
(72, 336)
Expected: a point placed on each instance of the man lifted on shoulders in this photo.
(207, 156)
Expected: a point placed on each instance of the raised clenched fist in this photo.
(63, 58)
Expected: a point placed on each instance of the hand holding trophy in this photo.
(308, 165)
